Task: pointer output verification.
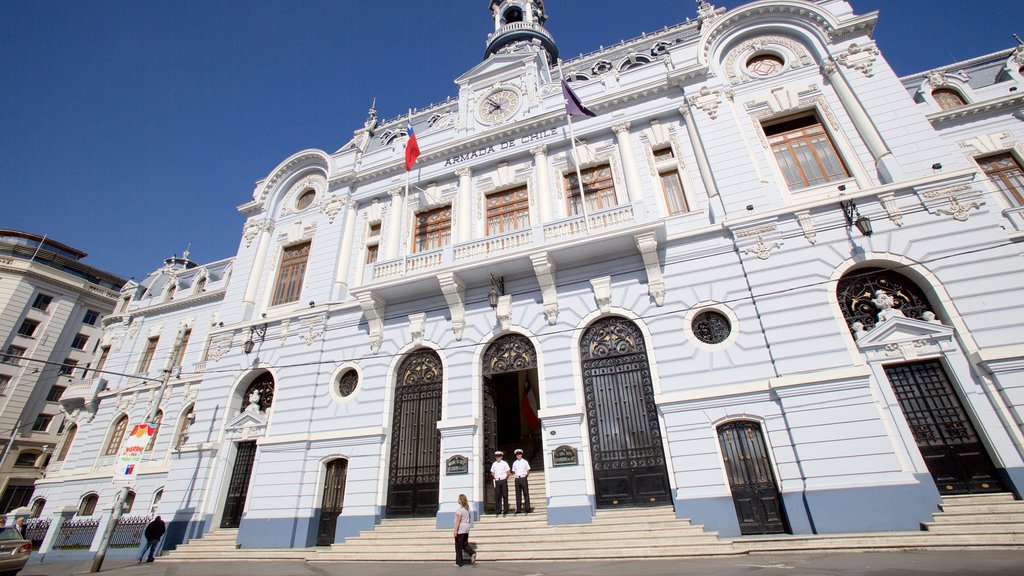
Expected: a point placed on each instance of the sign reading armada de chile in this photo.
(127, 467)
(507, 144)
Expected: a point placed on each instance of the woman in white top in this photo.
(463, 522)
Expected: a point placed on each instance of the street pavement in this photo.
(958, 563)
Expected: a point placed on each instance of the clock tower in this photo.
(518, 21)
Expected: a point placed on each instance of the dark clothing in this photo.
(522, 491)
(462, 546)
(155, 529)
(501, 495)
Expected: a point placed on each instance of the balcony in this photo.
(82, 393)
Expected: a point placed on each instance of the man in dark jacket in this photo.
(154, 531)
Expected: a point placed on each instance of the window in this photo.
(4, 382)
(433, 229)
(27, 459)
(55, 393)
(42, 423)
(179, 352)
(804, 151)
(147, 355)
(68, 367)
(169, 295)
(125, 301)
(129, 502)
(15, 496)
(104, 353)
(598, 186)
(182, 434)
(79, 342)
(765, 65)
(671, 183)
(347, 383)
(28, 328)
(152, 440)
(371, 254)
(157, 497)
(947, 98)
(305, 200)
(711, 327)
(37, 507)
(507, 211)
(293, 270)
(200, 286)
(69, 439)
(91, 316)
(42, 302)
(88, 504)
(13, 355)
(372, 242)
(1006, 174)
(116, 435)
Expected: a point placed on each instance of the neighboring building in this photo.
(791, 291)
(51, 307)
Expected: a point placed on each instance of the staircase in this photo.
(974, 522)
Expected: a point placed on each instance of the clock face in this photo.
(498, 105)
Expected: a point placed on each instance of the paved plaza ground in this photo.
(958, 563)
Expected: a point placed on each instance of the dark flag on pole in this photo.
(573, 106)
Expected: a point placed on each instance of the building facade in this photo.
(786, 299)
(51, 307)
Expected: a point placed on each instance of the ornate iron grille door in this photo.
(413, 480)
(490, 441)
(333, 501)
(751, 480)
(944, 433)
(238, 487)
(622, 420)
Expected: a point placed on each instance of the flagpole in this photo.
(405, 208)
(576, 159)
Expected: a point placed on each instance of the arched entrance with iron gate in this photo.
(622, 420)
(333, 500)
(256, 400)
(943, 429)
(751, 479)
(510, 382)
(413, 474)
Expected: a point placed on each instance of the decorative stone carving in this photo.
(807, 225)
(331, 207)
(417, 325)
(888, 201)
(544, 269)
(373, 308)
(648, 246)
(959, 211)
(762, 249)
(860, 58)
(219, 346)
(316, 182)
(884, 302)
(602, 292)
(956, 201)
(455, 294)
(253, 228)
(936, 78)
(707, 100)
(794, 54)
(504, 311)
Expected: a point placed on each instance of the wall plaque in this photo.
(457, 465)
(564, 456)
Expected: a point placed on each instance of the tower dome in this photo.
(519, 21)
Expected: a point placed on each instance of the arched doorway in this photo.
(333, 500)
(413, 477)
(258, 397)
(751, 480)
(622, 420)
(510, 381)
(943, 430)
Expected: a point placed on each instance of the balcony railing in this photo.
(517, 241)
(514, 26)
(82, 392)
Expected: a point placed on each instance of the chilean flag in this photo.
(527, 407)
(412, 148)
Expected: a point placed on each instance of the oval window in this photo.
(711, 327)
(305, 199)
(765, 65)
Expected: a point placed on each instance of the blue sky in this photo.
(129, 129)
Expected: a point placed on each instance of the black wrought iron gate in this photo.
(944, 433)
(751, 480)
(625, 437)
(413, 481)
(332, 502)
(238, 486)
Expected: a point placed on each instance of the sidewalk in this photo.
(961, 563)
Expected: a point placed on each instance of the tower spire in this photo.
(519, 21)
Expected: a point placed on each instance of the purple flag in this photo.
(573, 106)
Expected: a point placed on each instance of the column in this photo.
(540, 169)
(348, 236)
(256, 272)
(464, 212)
(636, 193)
(706, 176)
(394, 237)
(887, 167)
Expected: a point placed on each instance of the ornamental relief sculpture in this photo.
(794, 54)
(860, 58)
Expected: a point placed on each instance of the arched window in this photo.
(947, 98)
(88, 504)
(152, 440)
(27, 459)
(200, 286)
(129, 502)
(37, 507)
(116, 435)
(187, 418)
(169, 295)
(157, 497)
(69, 439)
(263, 385)
(858, 289)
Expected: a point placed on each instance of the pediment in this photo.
(500, 67)
(900, 330)
(247, 419)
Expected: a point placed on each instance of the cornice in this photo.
(1000, 55)
(979, 108)
(184, 302)
(52, 275)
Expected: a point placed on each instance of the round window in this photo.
(305, 199)
(347, 383)
(711, 327)
(765, 65)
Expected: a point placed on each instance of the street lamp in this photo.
(854, 218)
(254, 332)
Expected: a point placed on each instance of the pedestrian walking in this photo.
(154, 532)
(500, 471)
(463, 522)
(19, 525)
(521, 470)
